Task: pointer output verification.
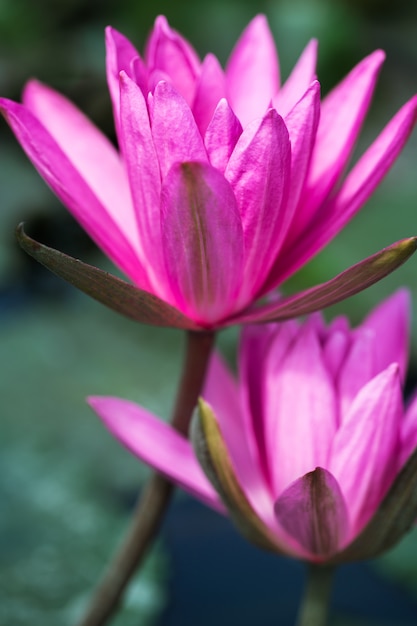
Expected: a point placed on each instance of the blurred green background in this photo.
(65, 485)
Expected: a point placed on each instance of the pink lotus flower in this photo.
(225, 183)
(311, 450)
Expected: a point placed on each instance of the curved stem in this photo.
(315, 603)
(156, 496)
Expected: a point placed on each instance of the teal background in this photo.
(65, 485)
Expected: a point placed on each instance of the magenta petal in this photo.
(115, 234)
(221, 390)
(302, 423)
(314, 512)
(175, 133)
(299, 80)
(366, 443)
(259, 173)
(156, 444)
(120, 55)
(252, 71)
(390, 323)
(145, 180)
(202, 241)
(358, 367)
(342, 113)
(169, 53)
(210, 89)
(221, 136)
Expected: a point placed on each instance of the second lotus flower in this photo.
(226, 183)
(311, 450)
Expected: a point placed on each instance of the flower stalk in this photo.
(154, 501)
(315, 603)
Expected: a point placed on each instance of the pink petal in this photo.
(221, 390)
(157, 444)
(334, 352)
(175, 133)
(358, 368)
(120, 55)
(390, 322)
(210, 89)
(313, 511)
(259, 173)
(357, 188)
(301, 77)
(252, 71)
(115, 234)
(202, 241)
(261, 351)
(221, 136)
(300, 411)
(145, 180)
(342, 113)
(168, 52)
(364, 452)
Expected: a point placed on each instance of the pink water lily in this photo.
(225, 182)
(310, 450)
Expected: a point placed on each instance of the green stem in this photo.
(156, 496)
(315, 603)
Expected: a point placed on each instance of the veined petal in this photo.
(145, 180)
(175, 133)
(221, 136)
(313, 511)
(299, 425)
(120, 55)
(89, 151)
(301, 122)
(252, 71)
(210, 89)
(366, 443)
(303, 74)
(390, 322)
(157, 444)
(101, 222)
(202, 241)
(259, 173)
(342, 113)
(167, 51)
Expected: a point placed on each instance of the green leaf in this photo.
(111, 291)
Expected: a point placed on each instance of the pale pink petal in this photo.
(202, 241)
(89, 151)
(359, 366)
(145, 180)
(342, 113)
(261, 351)
(365, 446)
(313, 511)
(252, 71)
(221, 136)
(298, 81)
(300, 411)
(221, 390)
(334, 352)
(120, 56)
(259, 173)
(71, 187)
(210, 89)
(175, 133)
(390, 321)
(168, 52)
(357, 188)
(157, 444)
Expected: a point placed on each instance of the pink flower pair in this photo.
(311, 450)
(225, 182)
